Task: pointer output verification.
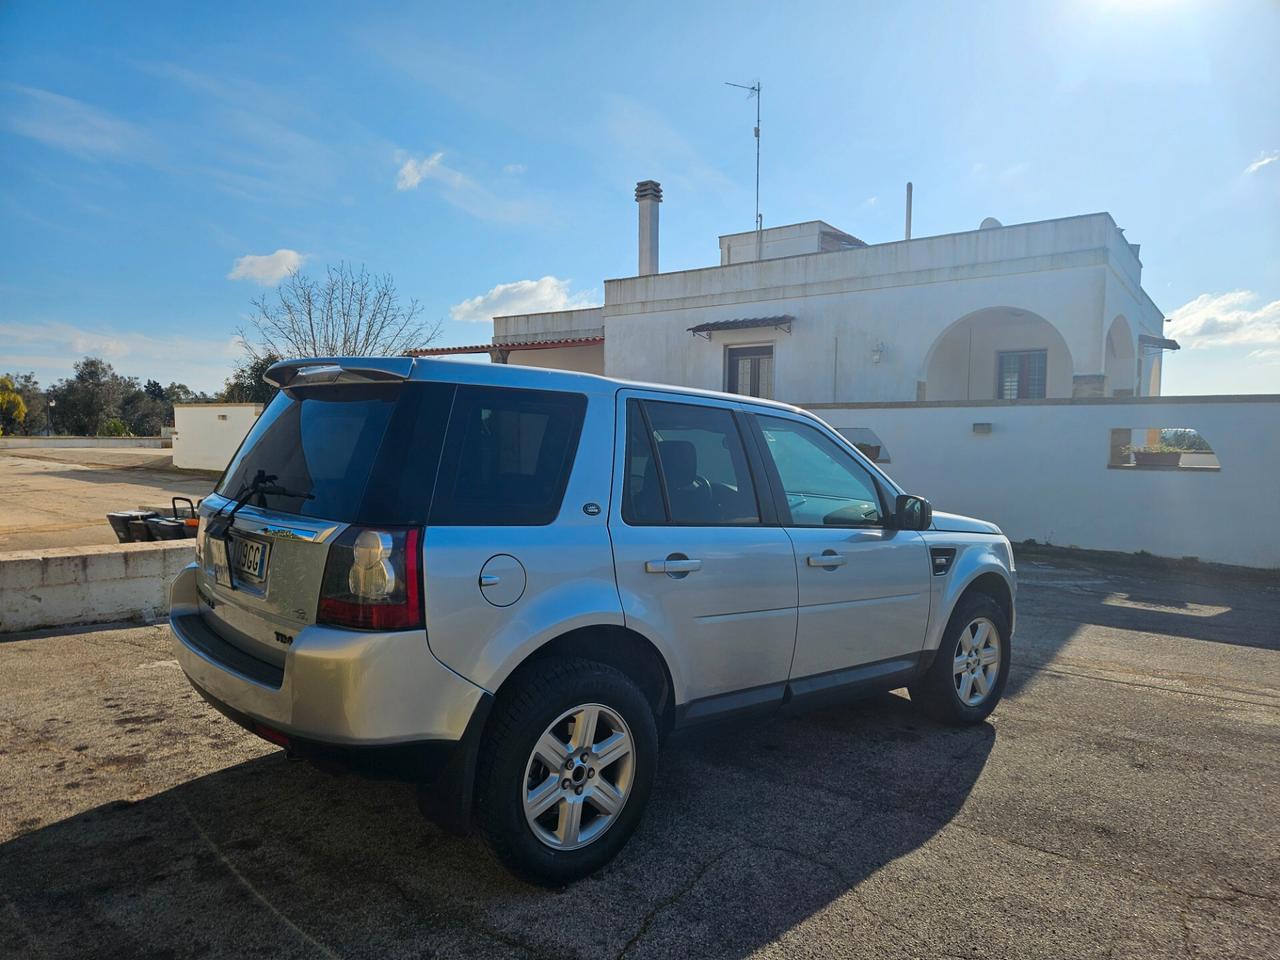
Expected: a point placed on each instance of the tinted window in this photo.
(641, 491)
(364, 453)
(701, 465)
(508, 456)
(823, 483)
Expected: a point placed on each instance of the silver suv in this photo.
(509, 585)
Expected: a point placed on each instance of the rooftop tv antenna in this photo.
(754, 91)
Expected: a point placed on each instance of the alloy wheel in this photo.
(977, 661)
(578, 777)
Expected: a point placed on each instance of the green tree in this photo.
(113, 427)
(246, 383)
(144, 414)
(13, 409)
(93, 396)
(181, 393)
(153, 390)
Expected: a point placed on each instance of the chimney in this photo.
(908, 210)
(648, 195)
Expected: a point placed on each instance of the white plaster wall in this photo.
(964, 364)
(202, 440)
(545, 324)
(839, 320)
(1042, 472)
(587, 359)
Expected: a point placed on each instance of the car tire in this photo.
(977, 638)
(574, 706)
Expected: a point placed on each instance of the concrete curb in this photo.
(72, 585)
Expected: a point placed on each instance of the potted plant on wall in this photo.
(1156, 455)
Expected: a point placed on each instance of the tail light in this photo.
(373, 580)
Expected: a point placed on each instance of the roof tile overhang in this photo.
(781, 322)
(542, 344)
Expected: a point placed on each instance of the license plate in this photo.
(218, 557)
(250, 558)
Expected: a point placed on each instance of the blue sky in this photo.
(145, 150)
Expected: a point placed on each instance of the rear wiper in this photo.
(262, 485)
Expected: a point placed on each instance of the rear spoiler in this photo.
(317, 370)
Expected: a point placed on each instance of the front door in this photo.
(697, 562)
(863, 586)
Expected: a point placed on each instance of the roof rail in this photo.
(316, 370)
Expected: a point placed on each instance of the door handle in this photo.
(828, 559)
(672, 566)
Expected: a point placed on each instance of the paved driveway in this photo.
(60, 496)
(1122, 802)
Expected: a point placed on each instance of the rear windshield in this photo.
(372, 453)
(364, 453)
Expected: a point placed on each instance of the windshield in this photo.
(361, 453)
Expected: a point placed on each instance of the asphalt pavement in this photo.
(1121, 802)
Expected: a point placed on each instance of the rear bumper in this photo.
(379, 704)
(344, 687)
(418, 761)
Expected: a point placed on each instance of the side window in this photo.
(641, 490)
(824, 485)
(507, 456)
(698, 463)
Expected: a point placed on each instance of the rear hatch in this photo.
(352, 451)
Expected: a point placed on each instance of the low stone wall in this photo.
(98, 584)
(24, 443)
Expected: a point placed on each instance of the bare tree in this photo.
(348, 313)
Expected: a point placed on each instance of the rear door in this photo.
(699, 559)
(517, 549)
(863, 586)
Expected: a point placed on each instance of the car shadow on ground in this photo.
(751, 829)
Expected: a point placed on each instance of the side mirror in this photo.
(912, 512)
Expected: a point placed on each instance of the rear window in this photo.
(365, 453)
(508, 456)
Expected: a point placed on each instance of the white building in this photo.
(207, 435)
(809, 314)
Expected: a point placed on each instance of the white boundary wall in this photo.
(1042, 472)
(206, 435)
(67, 585)
(32, 443)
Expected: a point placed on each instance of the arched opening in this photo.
(1120, 364)
(999, 353)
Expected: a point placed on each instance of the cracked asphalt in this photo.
(1123, 801)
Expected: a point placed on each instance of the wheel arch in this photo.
(994, 586)
(616, 646)
(978, 570)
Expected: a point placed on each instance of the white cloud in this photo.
(522, 296)
(514, 169)
(460, 190)
(70, 124)
(1226, 319)
(268, 269)
(1269, 355)
(50, 349)
(1262, 161)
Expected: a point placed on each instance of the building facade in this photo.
(809, 314)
